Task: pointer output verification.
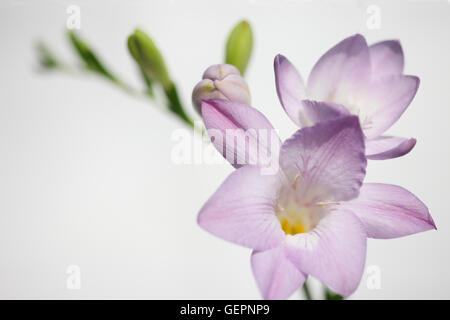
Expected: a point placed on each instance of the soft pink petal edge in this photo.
(333, 252)
(386, 58)
(327, 160)
(290, 88)
(387, 100)
(276, 276)
(242, 134)
(242, 210)
(340, 71)
(388, 147)
(389, 211)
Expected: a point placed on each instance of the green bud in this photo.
(47, 59)
(239, 46)
(149, 59)
(88, 56)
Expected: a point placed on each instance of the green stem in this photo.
(330, 295)
(93, 65)
(306, 292)
(175, 105)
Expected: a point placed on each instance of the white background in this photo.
(86, 176)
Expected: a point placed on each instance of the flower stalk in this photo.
(151, 65)
(306, 291)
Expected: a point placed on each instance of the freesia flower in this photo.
(353, 78)
(221, 81)
(312, 216)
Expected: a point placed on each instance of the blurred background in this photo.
(88, 188)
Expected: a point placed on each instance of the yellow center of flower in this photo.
(295, 219)
(298, 209)
(291, 228)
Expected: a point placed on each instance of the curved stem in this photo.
(175, 105)
(330, 295)
(306, 291)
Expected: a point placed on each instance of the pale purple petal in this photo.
(290, 88)
(340, 72)
(334, 252)
(317, 111)
(234, 88)
(386, 59)
(242, 134)
(242, 210)
(220, 71)
(276, 276)
(326, 161)
(204, 90)
(389, 211)
(385, 101)
(387, 147)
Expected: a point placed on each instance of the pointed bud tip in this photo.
(220, 71)
(239, 46)
(244, 24)
(221, 81)
(148, 57)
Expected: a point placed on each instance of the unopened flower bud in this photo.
(239, 46)
(221, 81)
(148, 57)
